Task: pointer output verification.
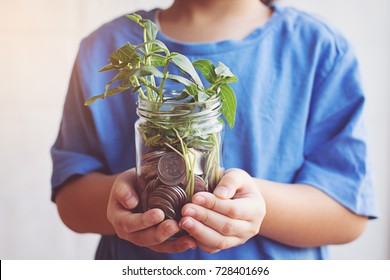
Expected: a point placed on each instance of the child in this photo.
(298, 177)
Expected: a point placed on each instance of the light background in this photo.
(38, 43)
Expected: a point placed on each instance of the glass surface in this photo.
(179, 147)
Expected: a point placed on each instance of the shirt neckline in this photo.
(215, 47)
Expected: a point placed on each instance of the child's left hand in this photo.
(229, 216)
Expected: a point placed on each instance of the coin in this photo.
(148, 168)
(182, 195)
(153, 200)
(151, 175)
(151, 155)
(171, 169)
(168, 211)
(152, 184)
(176, 196)
(199, 184)
(162, 193)
(169, 199)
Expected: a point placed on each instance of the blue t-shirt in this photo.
(299, 119)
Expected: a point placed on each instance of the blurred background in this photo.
(38, 43)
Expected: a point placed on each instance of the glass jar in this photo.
(178, 152)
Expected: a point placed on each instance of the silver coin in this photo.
(171, 169)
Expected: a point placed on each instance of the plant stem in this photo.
(216, 155)
(140, 91)
(189, 166)
(161, 89)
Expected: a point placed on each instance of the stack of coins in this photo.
(170, 199)
(147, 179)
(149, 166)
(164, 179)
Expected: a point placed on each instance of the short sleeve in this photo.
(76, 150)
(336, 154)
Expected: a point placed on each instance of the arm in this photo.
(82, 203)
(102, 204)
(241, 207)
(300, 215)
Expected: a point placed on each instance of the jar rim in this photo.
(199, 110)
(172, 102)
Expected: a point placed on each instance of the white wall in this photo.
(38, 43)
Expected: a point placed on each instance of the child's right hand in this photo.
(143, 229)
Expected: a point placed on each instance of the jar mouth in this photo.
(181, 110)
(172, 98)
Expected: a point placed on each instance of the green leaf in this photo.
(123, 75)
(147, 70)
(125, 54)
(135, 17)
(116, 63)
(93, 99)
(109, 92)
(157, 60)
(181, 80)
(207, 68)
(192, 90)
(186, 66)
(229, 79)
(127, 76)
(229, 104)
(155, 46)
(108, 67)
(150, 28)
(155, 89)
(212, 92)
(114, 91)
(223, 71)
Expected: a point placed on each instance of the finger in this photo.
(154, 235)
(207, 236)
(179, 245)
(218, 222)
(207, 249)
(234, 180)
(239, 208)
(126, 222)
(123, 190)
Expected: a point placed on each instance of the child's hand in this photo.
(143, 229)
(229, 216)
